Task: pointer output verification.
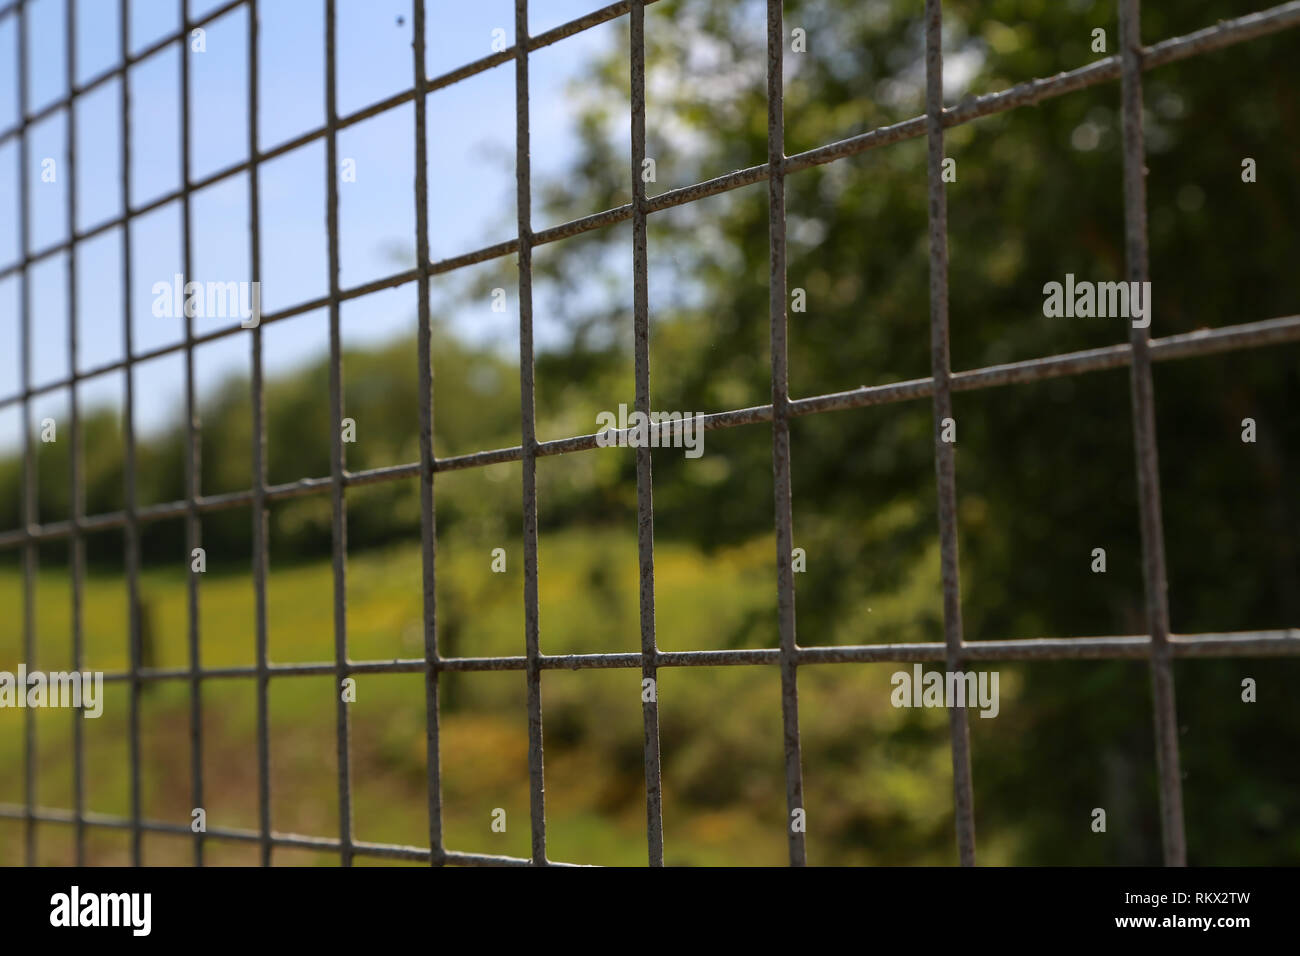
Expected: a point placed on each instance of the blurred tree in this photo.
(1045, 472)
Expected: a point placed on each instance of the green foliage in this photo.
(1046, 471)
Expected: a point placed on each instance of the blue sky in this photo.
(471, 177)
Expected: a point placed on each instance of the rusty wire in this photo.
(1158, 646)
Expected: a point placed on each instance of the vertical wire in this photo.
(428, 517)
(528, 446)
(781, 478)
(132, 537)
(337, 450)
(260, 544)
(1154, 577)
(193, 527)
(644, 478)
(77, 556)
(30, 505)
(945, 464)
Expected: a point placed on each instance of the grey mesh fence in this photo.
(1158, 646)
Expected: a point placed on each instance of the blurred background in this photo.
(1045, 471)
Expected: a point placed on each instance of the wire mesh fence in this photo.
(1158, 645)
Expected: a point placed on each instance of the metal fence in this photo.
(1158, 646)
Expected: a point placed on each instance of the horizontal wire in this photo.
(1219, 36)
(390, 851)
(1266, 643)
(1184, 345)
(302, 139)
(16, 131)
(563, 31)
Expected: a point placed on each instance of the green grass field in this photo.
(720, 727)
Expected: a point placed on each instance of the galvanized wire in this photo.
(796, 822)
(193, 527)
(428, 522)
(338, 450)
(645, 514)
(30, 552)
(260, 517)
(132, 523)
(945, 458)
(77, 553)
(1144, 436)
(528, 422)
(1158, 646)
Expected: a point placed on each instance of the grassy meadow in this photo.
(721, 727)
